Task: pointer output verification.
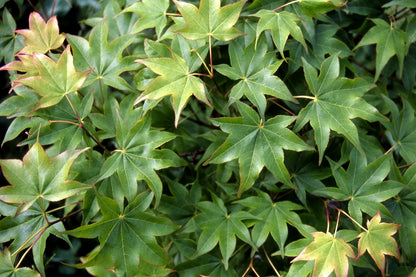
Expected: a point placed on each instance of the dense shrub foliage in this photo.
(209, 138)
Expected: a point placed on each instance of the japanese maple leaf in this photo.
(378, 241)
(363, 185)
(330, 254)
(103, 57)
(54, 79)
(255, 68)
(220, 227)
(210, 20)
(9, 42)
(281, 25)
(39, 177)
(336, 100)
(176, 80)
(126, 235)
(41, 36)
(257, 144)
(275, 217)
(152, 14)
(137, 159)
(8, 269)
(390, 41)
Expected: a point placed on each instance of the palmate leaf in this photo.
(54, 79)
(330, 254)
(336, 101)
(281, 25)
(210, 20)
(220, 227)
(41, 36)
(390, 41)
(257, 144)
(137, 159)
(39, 177)
(176, 80)
(152, 14)
(127, 235)
(254, 67)
(275, 216)
(362, 185)
(9, 42)
(103, 58)
(8, 269)
(378, 241)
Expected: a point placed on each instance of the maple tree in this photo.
(208, 138)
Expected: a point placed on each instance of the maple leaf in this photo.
(390, 41)
(257, 144)
(136, 157)
(41, 36)
(26, 64)
(330, 254)
(275, 217)
(362, 185)
(9, 42)
(175, 79)
(210, 20)
(281, 25)
(152, 14)
(126, 235)
(255, 69)
(336, 101)
(39, 177)
(220, 227)
(8, 269)
(315, 7)
(55, 79)
(103, 58)
(378, 241)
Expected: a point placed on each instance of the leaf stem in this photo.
(63, 207)
(211, 73)
(270, 262)
(282, 107)
(31, 246)
(391, 148)
(287, 4)
(64, 121)
(352, 219)
(28, 240)
(305, 97)
(336, 225)
(101, 89)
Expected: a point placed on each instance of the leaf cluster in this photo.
(210, 138)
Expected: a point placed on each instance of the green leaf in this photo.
(37, 177)
(10, 44)
(378, 241)
(257, 144)
(275, 216)
(7, 268)
(390, 41)
(330, 254)
(103, 57)
(210, 20)
(362, 185)
(55, 79)
(254, 67)
(281, 25)
(220, 227)
(336, 101)
(175, 79)
(126, 235)
(41, 36)
(136, 158)
(152, 14)
(315, 7)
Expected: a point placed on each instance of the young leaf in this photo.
(281, 25)
(39, 177)
(390, 41)
(55, 79)
(126, 235)
(41, 36)
(210, 20)
(7, 267)
(137, 159)
(257, 144)
(336, 101)
(175, 79)
(378, 241)
(330, 254)
(103, 58)
(152, 14)
(219, 226)
(254, 67)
